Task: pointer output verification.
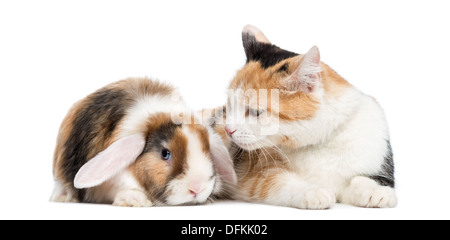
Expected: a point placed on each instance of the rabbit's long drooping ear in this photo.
(109, 162)
(221, 157)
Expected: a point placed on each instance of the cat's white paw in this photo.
(377, 197)
(317, 198)
(132, 198)
(364, 192)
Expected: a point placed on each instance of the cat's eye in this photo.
(165, 154)
(255, 112)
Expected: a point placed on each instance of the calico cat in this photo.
(331, 142)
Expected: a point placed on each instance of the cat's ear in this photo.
(306, 75)
(253, 31)
(254, 40)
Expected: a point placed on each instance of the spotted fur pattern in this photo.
(331, 143)
(136, 110)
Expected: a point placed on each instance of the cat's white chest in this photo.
(355, 148)
(320, 166)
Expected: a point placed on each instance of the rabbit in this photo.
(130, 144)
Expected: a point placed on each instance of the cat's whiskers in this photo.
(276, 148)
(273, 159)
(249, 162)
(257, 155)
(267, 161)
(237, 154)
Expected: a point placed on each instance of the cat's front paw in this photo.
(364, 192)
(377, 197)
(131, 198)
(317, 198)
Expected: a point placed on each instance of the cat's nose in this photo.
(229, 132)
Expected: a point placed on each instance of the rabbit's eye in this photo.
(165, 154)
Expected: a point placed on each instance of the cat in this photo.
(331, 142)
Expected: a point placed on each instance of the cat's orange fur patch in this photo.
(292, 105)
(267, 185)
(258, 172)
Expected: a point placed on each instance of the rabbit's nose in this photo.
(195, 188)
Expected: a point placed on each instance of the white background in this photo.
(53, 53)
